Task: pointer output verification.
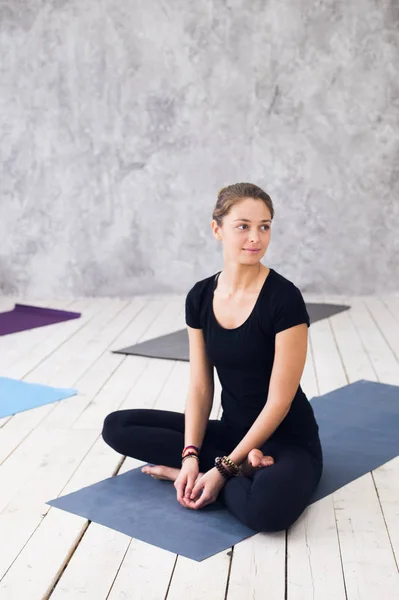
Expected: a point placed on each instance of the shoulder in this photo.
(200, 287)
(195, 298)
(281, 282)
(283, 288)
(287, 305)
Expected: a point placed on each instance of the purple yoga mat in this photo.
(24, 317)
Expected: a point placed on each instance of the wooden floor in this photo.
(345, 546)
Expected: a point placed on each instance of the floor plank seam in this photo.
(231, 554)
(119, 569)
(286, 566)
(83, 325)
(55, 404)
(171, 577)
(341, 358)
(68, 558)
(21, 550)
(340, 550)
(396, 317)
(385, 523)
(313, 363)
(371, 363)
(97, 393)
(382, 333)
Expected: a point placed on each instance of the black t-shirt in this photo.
(243, 356)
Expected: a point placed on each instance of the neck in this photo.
(240, 278)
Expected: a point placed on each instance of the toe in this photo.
(255, 457)
(147, 470)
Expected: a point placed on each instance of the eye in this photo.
(267, 227)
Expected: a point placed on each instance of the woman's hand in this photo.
(210, 484)
(186, 479)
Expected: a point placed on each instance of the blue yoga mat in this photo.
(359, 426)
(16, 395)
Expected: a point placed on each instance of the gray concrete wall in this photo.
(120, 121)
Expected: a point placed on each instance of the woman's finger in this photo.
(196, 491)
(180, 486)
(189, 487)
(203, 501)
(210, 501)
(182, 500)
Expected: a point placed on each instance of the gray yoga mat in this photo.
(359, 426)
(174, 346)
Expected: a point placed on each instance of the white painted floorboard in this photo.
(344, 547)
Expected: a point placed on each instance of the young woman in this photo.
(263, 459)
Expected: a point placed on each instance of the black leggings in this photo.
(271, 500)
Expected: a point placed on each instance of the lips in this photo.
(252, 249)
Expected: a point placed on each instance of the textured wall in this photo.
(120, 121)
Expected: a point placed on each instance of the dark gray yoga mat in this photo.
(359, 430)
(174, 346)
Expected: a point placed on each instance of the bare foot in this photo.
(164, 473)
(255, 460)
(161, 472)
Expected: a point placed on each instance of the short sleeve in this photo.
(192, 309)
(290, 310)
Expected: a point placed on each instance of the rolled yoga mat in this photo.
(17, 396)
(175, 346)
(359, 426)
(24, 317)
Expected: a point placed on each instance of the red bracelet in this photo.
(191, 446)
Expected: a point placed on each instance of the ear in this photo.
(216, 230)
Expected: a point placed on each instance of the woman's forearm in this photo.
(197, 411)
(262, 428)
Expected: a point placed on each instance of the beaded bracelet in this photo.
(231, 465)
(228, 466)
(222, 470)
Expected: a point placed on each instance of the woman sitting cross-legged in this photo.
(263, 459)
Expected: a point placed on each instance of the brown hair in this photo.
(234, 193)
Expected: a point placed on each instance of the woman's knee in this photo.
(111, 427)
(269, 507)
(270, 517)
(259, 511)
(117, 423)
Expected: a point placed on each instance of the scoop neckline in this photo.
(215, 279)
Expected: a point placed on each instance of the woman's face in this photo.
(246, 227)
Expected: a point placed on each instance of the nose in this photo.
(253, 236)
